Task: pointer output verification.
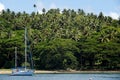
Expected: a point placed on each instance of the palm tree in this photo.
(35, 6)
(43, 10)
(81, 12)
(101, 16)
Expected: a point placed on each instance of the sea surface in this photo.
(87, 76)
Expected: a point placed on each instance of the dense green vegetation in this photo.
(61, 40)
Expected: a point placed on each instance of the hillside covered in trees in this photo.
(61, 40)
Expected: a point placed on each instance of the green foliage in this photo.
(61, 40)
(52, 54)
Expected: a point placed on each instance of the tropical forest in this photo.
(61, 40)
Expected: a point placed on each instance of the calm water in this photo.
(63, 77)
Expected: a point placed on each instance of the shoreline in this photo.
(8, 71)
(75, 72)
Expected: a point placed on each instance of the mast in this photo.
(25, 47)
(15, 57)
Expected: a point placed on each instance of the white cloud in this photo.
(114, 15)
(65, 7)
(2, 7)
(88, 9)
(53, 6)
(39, 6)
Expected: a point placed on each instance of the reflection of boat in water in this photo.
(17, 71)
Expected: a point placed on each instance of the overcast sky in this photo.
(108, 7)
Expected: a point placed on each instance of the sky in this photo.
(108, 7)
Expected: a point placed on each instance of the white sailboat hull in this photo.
(22, 72)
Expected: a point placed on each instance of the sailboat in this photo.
(17, 71)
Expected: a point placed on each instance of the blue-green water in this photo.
(63, 77)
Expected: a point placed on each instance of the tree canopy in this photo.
(65, 39)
